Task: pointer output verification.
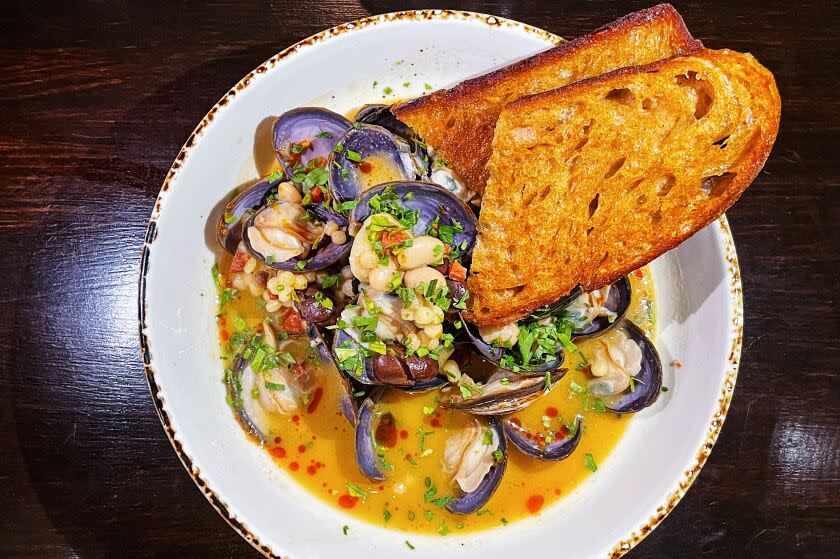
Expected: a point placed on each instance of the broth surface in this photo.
(315, 445)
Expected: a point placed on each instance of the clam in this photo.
(306, 133)
(279, 233)
(367, 156)
(229, 229)
(259, 396)
(346, 401)
(381, 115)
(558, 449)
(597, 311)
(469, 454)
(642, 388)
(434, 206)
(505, 393)
(494, 353)
(367, 457)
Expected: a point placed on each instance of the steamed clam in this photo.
(367, 156)
(549, 448)
(306, 134)
(475, 458)
(625, 369)
(503, 393)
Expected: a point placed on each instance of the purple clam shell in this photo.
(432, 201)
(649, 380)
(493, 355)
(368, 377)
(305, 123)
(229, 235)
(366, 457)
(618, 301)
(507, 402)
(346, 175)
(557, 450)
(244, 419)
(322, 257)
(346, 401)
(381, 115)
(468, 503)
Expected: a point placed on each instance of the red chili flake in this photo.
(639, 274)
(408, 457)
(551, 412)
(435, 422)
(316, 195)
(225, 335)
(277, 440)
(677, 363)
(534, 503)
(382, 488)
(403, 434)
(316, 399)
(278, 452)
(239, 261)
(311, 470)
(222, 321)
(348, 501)
(365, 167)
(295, 418)
(302, 448)
(294, 466)
(291, 322)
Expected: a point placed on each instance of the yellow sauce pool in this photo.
(316, 444)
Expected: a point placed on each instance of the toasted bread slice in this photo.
(459, 122)
(593, 180)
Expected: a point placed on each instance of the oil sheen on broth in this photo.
(315, 444)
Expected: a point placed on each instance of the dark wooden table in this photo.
(96, 100)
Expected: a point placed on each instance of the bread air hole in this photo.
(593, 205)
(614, 168)
(664, 184)
(589, 231)
(451, 122)
(704, 95)
(640, 201)
(585, 139)
(648, 104)
(714, 186)
(623, 96)
(721, 143)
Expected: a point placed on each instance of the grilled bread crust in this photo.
(591, 181)
(459, 122)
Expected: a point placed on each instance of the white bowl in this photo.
(697, 285)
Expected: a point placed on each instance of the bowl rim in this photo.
(723, 234)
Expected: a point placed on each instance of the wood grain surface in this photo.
(97, 98)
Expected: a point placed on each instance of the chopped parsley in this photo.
(589, 462)
(217, 277)
(386, 514)
(387, 91)
(354, 156)
(324, 134)
(227, 295)
(407, 543)
(344, 529)
(356, 491)
(329, 281)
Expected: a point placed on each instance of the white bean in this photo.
(424, 250)
(425, 275)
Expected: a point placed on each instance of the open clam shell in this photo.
(468, 503)
(506, 394)
(366, 456)
(431, 202)
(229, 229)
(319, 128)
(559, 449)
(365, 157)
(493, 354)
(618, 301)
(320, 257)
(647, 384)
(346, 401)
